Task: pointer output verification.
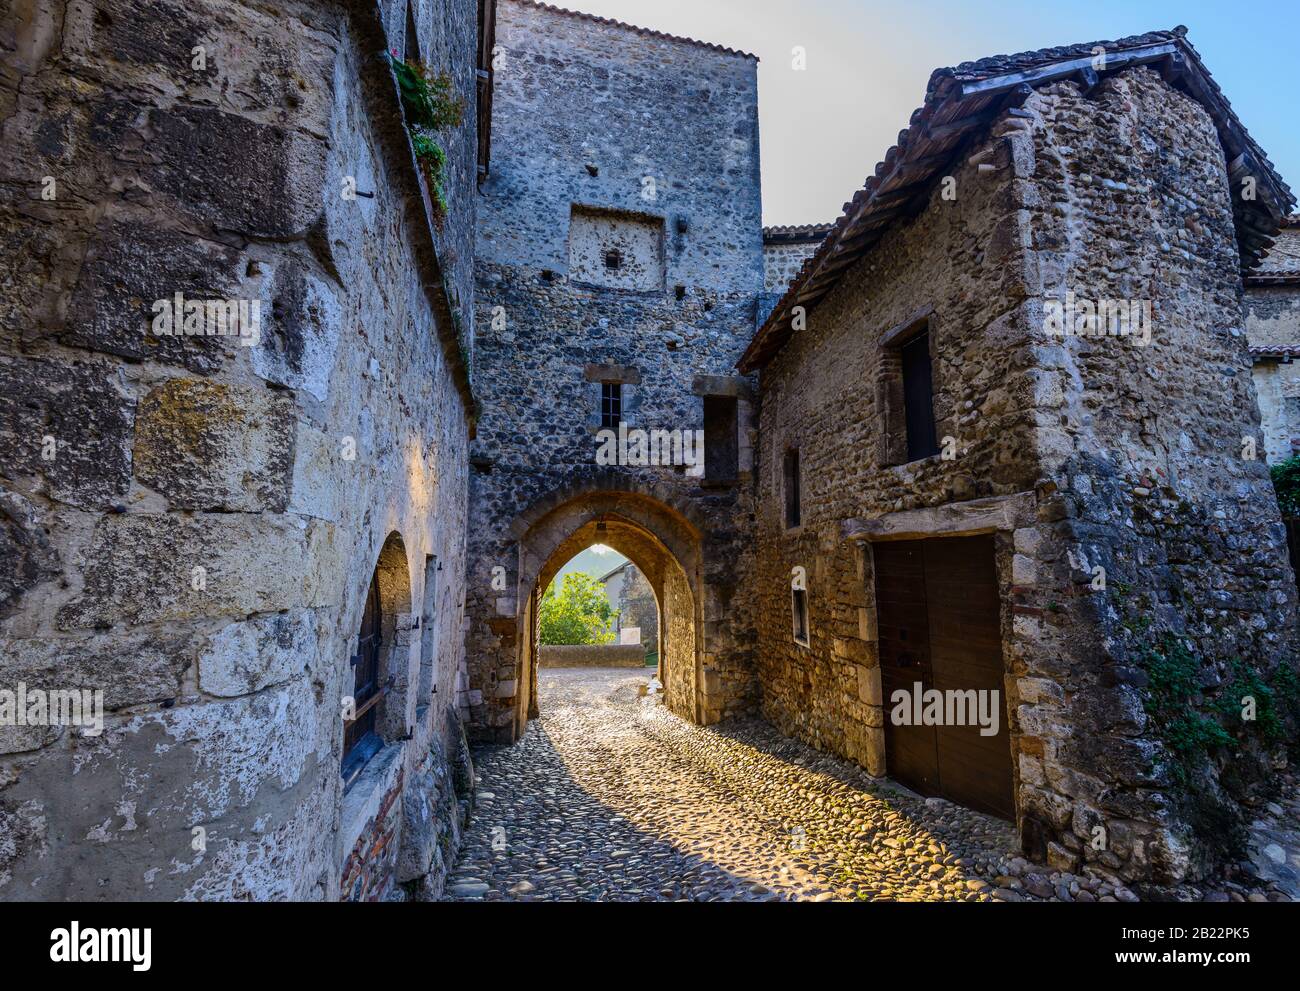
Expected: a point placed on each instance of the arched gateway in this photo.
(661, 540)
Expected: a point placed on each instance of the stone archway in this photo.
(661, 540)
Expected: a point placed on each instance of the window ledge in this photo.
(362, 801)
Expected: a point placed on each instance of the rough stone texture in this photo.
(669, 111)
(1127, 459)
(784, 252)
(194, 521)
(611, 655)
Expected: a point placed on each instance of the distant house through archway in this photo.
(662, 543)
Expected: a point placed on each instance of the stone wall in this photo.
(597, 120)
(1076, 453)
(195, 520)
(1146, 449)
(1277, 389)
(595, 655)
(821, 396)
(784, 252)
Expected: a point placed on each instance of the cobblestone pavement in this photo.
(611, 797)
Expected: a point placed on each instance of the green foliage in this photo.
(432, 158)
(578, 612)
(1247, 684)
(1286, 480)
(430, 103)
(1194, 727)
(1174, 673)
(428, 97)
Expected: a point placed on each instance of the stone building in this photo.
(629, 592)
(1273, 331)
(615, 291)
(222, 526)
(981, 498)
(299, 545)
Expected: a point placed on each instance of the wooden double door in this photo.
(939, 624)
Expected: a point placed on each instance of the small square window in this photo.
(614, 260)
(611, 405)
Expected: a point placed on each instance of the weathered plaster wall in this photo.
(1277, 389)
(605, 118)
(200, 544)
(1272, 306)
(637, 606)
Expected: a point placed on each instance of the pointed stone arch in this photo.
(654, 529)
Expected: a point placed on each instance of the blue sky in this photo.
(824, 129)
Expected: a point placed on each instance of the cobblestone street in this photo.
(611, 797)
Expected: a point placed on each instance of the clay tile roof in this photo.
(1275, 277)
(961, 102)
(796, 233)
(647, 32)
(1275, 350)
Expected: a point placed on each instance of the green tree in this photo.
(578, 612)
(1286, 479)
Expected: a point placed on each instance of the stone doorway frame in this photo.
(1001, 516)
(654, 530)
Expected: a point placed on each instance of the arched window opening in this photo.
(361, 739)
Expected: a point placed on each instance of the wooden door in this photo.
(911, 752)
(940, 624)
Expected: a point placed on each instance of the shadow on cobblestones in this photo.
(611, 797)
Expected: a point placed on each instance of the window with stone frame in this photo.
(791, 483)
(799, 614)
(361, 738)
(611, 405)
(905, 392)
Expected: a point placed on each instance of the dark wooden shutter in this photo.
(721, 447)
(792, 494)
(918, 398)
(939, 621)
(358, 734)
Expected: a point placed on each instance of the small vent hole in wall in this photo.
(548, 275)
(593, 171)
(614, 260)
(680, 292)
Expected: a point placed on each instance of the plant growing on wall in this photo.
(431, 105)
(1286, 480)
(578, 612)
